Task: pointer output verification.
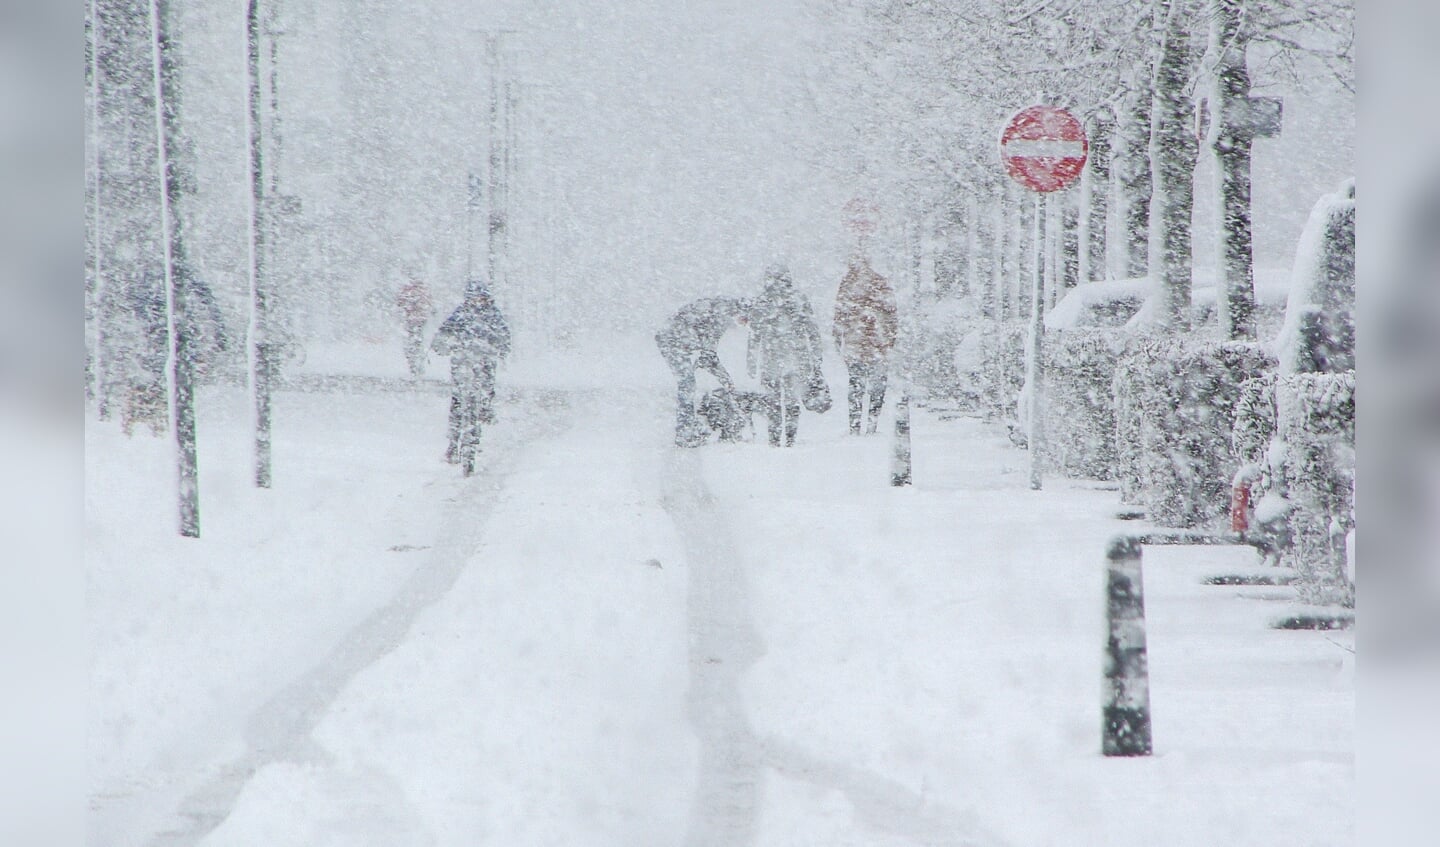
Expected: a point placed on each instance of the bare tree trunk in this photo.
(997, 257)
(1173, 152)
(1230, 139)
(126, 188)
(174, 178)
(95, 281)
(496, 231)
(1132, 172)
(1069, 243)
(972, 248)
(260, 350)
(1022, 250)
(1094, 201)
(1053, 242)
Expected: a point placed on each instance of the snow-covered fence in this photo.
(1174, 408)
(1300, 430)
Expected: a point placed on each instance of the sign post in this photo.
(1044, 149)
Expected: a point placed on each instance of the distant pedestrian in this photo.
(689, 341)
(785, 350)
(416, 309)
(865, 329)
(475, 336)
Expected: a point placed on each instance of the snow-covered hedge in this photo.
(1318, 334)
(940, 327)
(1300, 428)
(1001, 368)
(1080, 426)
(1175, 402)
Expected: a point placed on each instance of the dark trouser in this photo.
(683, 363)
(478, 381)
(782, 406)
(415, 349)
(865, 377)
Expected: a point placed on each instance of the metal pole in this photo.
(1126, 729)
(259, 301)
(182, 389)
(1034, 366)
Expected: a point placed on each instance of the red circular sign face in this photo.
(1043, 148)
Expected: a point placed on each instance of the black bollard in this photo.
(900, 459)
(1127, 675)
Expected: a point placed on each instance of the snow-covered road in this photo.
(601, 639)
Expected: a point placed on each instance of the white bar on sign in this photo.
(1048, 147)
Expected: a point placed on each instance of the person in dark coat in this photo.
(865, 329)
(785, 349)
(688, 342)
(475, 336)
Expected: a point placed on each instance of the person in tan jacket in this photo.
(865, 330)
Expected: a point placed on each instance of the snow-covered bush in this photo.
(1316, 418)
(1080, 427)
(1126, 391)
(1298, 425)
(1300, 428)
(1002, 368)
(1254, 420)
(1318, 335)
(940, 326)
(1175, 404)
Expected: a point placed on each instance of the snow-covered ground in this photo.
(604, 640)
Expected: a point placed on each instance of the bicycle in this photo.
(475, 396)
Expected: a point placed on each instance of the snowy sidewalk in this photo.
(948, 639)
(734, 645)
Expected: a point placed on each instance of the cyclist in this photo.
(475, 336)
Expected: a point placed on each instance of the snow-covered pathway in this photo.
(734, 645)
(279, 731)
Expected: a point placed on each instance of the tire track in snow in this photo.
(724, 644)
(280, 729)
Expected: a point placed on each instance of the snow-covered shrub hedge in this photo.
(1080, 425)
(1318, 335)
(1254, 420)
(1175, 403)
(1301, 429)
(1001, 368)
(940, 328)
(1316, 418)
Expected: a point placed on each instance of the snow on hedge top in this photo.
(1132, 302)
(1320, 281)
(1107, 303)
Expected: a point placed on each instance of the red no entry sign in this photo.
(1043, 148)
